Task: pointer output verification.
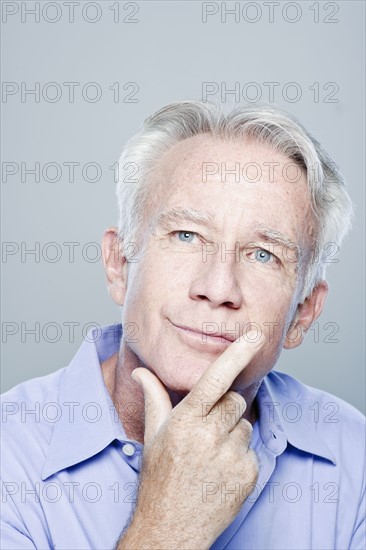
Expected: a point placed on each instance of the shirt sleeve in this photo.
(13, 534)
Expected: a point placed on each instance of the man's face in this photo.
(224, 276)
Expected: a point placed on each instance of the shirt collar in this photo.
(88, 421)
(287, 415)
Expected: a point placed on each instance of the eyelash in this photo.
(276, 259)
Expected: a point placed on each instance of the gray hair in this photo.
(330, 202)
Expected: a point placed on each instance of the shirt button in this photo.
(128, 449)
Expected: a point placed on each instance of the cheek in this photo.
(268, 313)
(275, 283)
(269, 295)
(147, 289)
(137, 289)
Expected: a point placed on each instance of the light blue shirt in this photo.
(70, 474)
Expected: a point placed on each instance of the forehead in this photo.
(212, 159)
(240, 180)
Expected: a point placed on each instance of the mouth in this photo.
(219, 336)
(202, 340)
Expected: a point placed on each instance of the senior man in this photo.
(170, 431)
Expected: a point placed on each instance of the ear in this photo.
(306, 314)
(115, 265)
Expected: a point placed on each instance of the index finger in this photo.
(219, 376)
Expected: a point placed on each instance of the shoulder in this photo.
(28, 414)
(35, 389)
(332, 407)
(317, 418)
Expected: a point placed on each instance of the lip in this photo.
(201, 340)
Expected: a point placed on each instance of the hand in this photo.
(189, 451)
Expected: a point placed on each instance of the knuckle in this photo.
(252, 465)
(193, 400)
(236, 397)
(246, 425)
(215, 383)
(233, 401)
(246, 429)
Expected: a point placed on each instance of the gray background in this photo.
(169, 52)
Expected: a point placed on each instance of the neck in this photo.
(128, 397)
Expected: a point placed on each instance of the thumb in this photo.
(157, 402)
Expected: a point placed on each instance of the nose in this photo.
(217, 282)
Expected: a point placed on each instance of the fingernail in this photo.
(135, 376)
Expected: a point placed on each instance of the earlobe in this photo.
(295, 336)
(306, 315)
(115, 265)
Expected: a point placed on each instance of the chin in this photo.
(183, 377)
(183, 385)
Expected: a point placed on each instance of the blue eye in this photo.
(263, 256)
(187, 236)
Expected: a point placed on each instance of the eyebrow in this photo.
(167, 217)
(276, 237)
(205, 218)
